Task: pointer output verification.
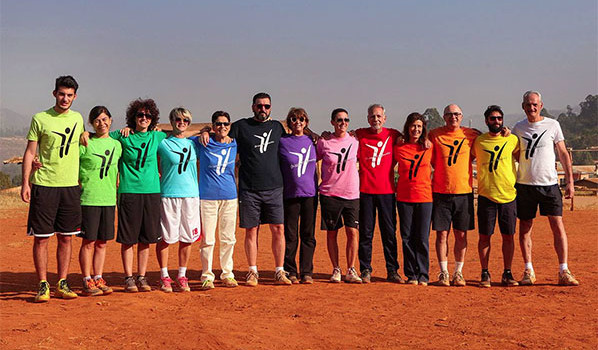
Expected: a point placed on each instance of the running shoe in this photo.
(366, 276)
(412, 281)
(143, 285)
(251, 280)
(101, 284)
(485, 280)
(336, 275)
(207, 285)
(182, 284)
(90, 288)
(307, 279)
(63, 291)
(394, 277)
(566, 278)
(130, 285)
(352, 277)
(43, 294)
(166, 284)
(294, 279)
(281, 278)
(443, 279)
(508, 279)
(529, 278)
(230, 282)
(423, 283)
(458, 280)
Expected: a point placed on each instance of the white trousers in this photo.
(221, 213)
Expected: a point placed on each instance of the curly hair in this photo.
(412, 118)
(139, 104)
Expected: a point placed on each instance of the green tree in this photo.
(433, 118)
(581, 130)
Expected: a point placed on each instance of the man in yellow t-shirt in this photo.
(496, 156)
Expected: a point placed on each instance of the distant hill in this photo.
(13, 123)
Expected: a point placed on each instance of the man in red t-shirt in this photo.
(377, 188)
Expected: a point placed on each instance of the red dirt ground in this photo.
(319, 316)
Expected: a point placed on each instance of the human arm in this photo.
(28, 158)
(567, 167)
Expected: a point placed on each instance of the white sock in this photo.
(458, 266)
(86, 278)
(528, 266)
(182, 271)
(279, 268)
(563, 267)
(444, 266)
(97, 277)
(253, 268)
(164, 272)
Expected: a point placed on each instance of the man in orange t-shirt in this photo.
(452, 190)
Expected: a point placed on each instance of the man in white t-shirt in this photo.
(537, 184)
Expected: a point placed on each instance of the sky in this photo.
(319, 55)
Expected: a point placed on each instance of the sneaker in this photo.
(458, 280)
(412, 282)
(90, 288)
(422, 283)
(251, 280)
(63, 291)
(307, 279)
(485, 280)
(101, 284)
(443, 279)
(230, 282)
(566, 278)
(508, 280)
(143, 285)
(281, 278)
(130, 285)
(352, 277)
(366, 276)
(394, 277)
(43, 294)
(182, 284)
(529, 278)
(336, 275)
(166, 284)
(294, 279)
(207, 285)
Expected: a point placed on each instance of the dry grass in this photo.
(10, 198)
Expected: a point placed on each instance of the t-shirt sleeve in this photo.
(558, 133)
(319, 147)
(234, 130)
(34, 130)
(516, 141)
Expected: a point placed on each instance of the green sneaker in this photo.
(230, 282)
(63, 291)
(207, 285)
(43, 294)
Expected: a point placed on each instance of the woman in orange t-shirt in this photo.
(414, 198)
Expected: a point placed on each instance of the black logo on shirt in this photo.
(454, 153)
(141, 155)
(494, 158)
(531, 145)
(342, 159)
(182, 161)
(415, 163)
(64, 143)
(105, 162)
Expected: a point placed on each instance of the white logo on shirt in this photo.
(222, 160)
(264, 141)
(378, 152)
(302, 163)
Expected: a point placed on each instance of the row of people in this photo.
(278, 186)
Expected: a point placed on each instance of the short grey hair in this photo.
(530, 92)
(376, 105)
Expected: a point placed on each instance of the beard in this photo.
(495, 129)
(261, 116)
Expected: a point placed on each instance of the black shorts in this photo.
(487, 215)
(138, 218)
(98, 223)
(260, 207)
(455, 209)
(529, 197)
(337, 212)
(54, 210)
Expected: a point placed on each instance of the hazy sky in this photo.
(313, 54)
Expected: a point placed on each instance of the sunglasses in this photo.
(259, 106)
(295, 119)
(186, 120)
(141, 115)
(493, 118)
(221, 123)
(340, 120)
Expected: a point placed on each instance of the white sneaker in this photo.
(352, 276)
(336, 275)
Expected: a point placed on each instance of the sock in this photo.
(458, 266)
(507, 271)
(86, 278)
(164, 272)
(182, 271)
(528, 266)
(279, 268)
(97, 277)
(485, 270)
(253, 268)
(563, 267)
(444, 266)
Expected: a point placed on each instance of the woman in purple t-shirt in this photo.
(298, 165)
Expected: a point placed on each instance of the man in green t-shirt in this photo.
(53, 190)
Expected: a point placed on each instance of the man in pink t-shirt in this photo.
(377, 193)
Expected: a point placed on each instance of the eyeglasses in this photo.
(141, 115)
(340, 120)
(221, 123)
(186, 120)
(453, 114)
(259, 106)
(295, 119)
(493, 118)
